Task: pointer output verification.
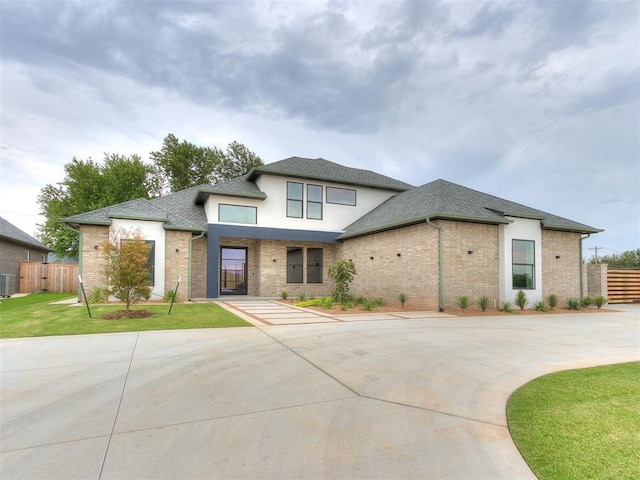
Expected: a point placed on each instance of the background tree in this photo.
(181, 164)
(126, 272)
(627, 259)
(87, 186)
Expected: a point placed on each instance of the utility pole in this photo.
(595, 249)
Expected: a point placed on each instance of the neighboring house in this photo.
(281, 227)
(17, 246)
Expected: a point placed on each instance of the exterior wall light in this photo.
(470, 252)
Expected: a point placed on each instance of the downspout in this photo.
(189, 266)
(440, 285)
(581, 266)
(77, 230)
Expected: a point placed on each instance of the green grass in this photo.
(34, 316)
(580, 424)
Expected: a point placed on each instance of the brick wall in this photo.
(414, 272)
(561, 276)
(92, 259)
(176, 261)
(199, 268)
(469, 274)
(595, 279)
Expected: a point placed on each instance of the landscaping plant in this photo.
(98, 295)
(483, 303)
(284, 294)
(403, 299)
(600, 300)
(462, 302)
(539, 306)
(521, 300)
(342, 273)
(573, 303)
(505, 307)
(586, 302)
(126, 272)
(552, 301)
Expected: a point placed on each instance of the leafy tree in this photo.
(87, 186)
(627, 259)
(342, 273)
(181, 164)
(126, 271)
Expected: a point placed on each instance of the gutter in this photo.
(440, 285)
(189, 266)
(581, 266)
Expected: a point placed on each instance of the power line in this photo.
(595, 255)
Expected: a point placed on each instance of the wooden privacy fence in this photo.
(48, 277)
(623, 285)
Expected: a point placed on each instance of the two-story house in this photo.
(281, 226)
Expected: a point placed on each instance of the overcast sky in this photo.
(535, 102)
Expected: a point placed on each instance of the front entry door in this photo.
(233, 271)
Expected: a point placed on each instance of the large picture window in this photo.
(523, 255)
(294, 265)
(237, 214)
(314, 202)
(314, 265)
(341, 196)
(294, 199)
(151, 260)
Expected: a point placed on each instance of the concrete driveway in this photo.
(401, 398)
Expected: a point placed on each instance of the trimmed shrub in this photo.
(521, 300)
(483, 303)
(284, 294)
(600, 300)
(573, 303)
(552, 301)
(540, 307)
(586, 302)
(506, 307)
(462, 302)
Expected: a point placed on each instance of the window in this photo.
(294, 199)
(151, 260)
(314, 202)
(341, 196)
(314, 265)
(294, 265)
(523, 260)
(237, 214)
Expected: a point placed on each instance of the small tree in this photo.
(126, 271)
(342, 273)
(521, 300)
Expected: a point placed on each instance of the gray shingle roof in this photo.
(237, 187)
(446, 200)
(10, 232)
(321, 169)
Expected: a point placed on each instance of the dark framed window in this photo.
(151, 260)
(294, 199)
(294, 265)
(314, 265)
(314, 202)
(237, 214)
(524, 264)
(341, 196)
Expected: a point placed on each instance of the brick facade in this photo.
(474, 274)
(398, 261)
(561, 264)
(176, 262)
(199, 267)
(267, 267)
(92, 267)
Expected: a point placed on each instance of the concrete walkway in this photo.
(401, 398)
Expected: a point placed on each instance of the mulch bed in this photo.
(127, 314)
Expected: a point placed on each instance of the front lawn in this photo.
(34, 316)
(580, 423)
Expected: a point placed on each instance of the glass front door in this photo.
(233, 271)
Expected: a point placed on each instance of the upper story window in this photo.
(341, 196)
(294, 199)
(523, 259)
(237, 214)
(314, 202)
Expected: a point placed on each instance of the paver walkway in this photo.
(272, 312)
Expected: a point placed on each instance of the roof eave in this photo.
(577, 229)
(256, 173)
(202, 196)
